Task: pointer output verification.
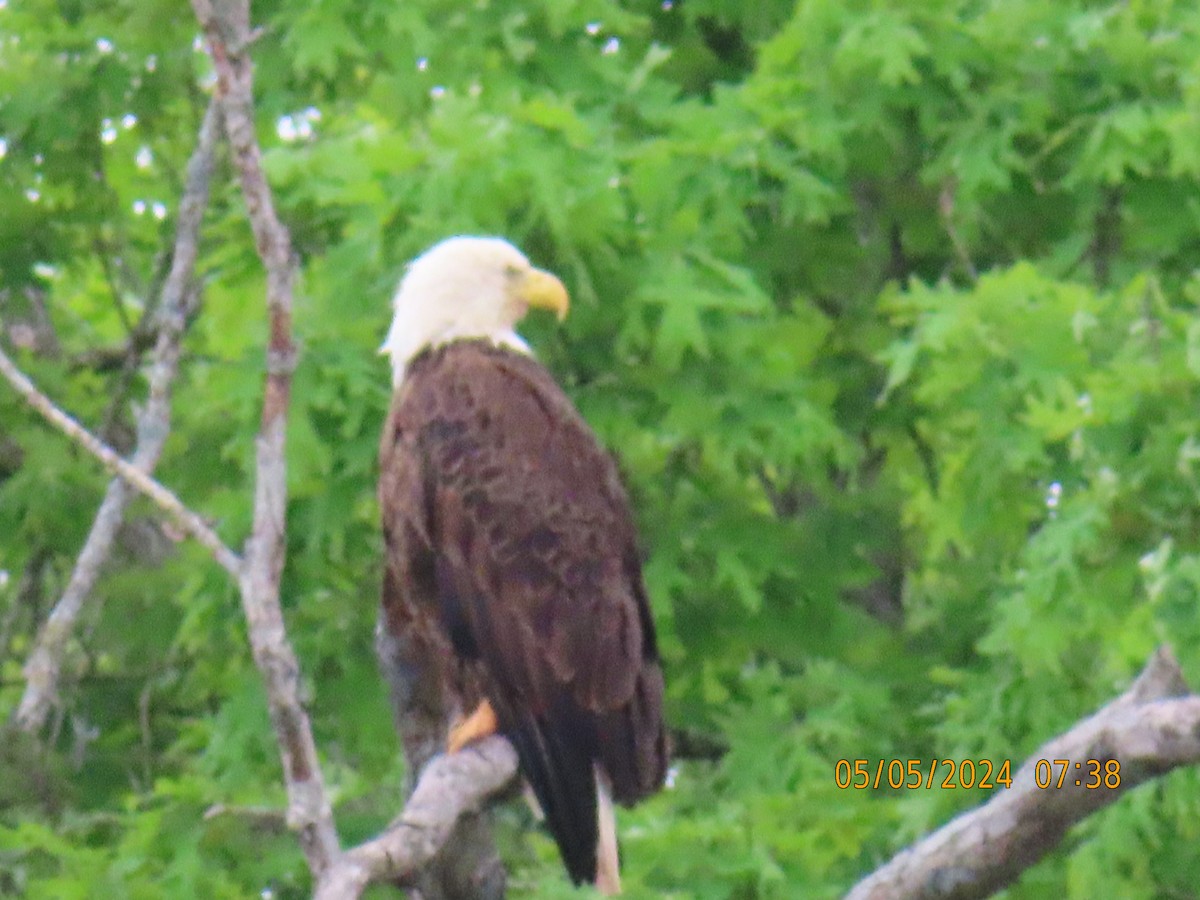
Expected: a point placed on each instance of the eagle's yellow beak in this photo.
(538, 288)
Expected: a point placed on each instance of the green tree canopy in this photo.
(886, 309)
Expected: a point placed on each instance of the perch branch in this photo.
(44, 666)
(1150, 729)
(449, 787)
(133, 476)
(227, 27)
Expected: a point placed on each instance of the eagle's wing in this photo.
(529, 547)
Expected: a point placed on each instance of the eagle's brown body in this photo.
(513, 573)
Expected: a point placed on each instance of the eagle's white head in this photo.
(467, 287)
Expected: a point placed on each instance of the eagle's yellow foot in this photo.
(474, 727)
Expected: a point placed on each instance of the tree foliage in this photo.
(886, 309)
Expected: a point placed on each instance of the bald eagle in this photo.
(513, 581)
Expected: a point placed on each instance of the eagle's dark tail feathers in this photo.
(558, 753)
(556, 762)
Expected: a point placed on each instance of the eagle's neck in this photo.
(402, 352)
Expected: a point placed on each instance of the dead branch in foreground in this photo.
(1149, 730)
(44, 665)
(449, 786)
(185, 518)
(309, 813)
(226, 25)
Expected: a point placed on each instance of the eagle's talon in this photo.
(476, 726)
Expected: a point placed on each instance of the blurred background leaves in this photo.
(887, 311)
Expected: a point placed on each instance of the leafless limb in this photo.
(450, 787)
(227, 26)
(258, 576)
(468, 867)
(43, 668)
(133, 476)
(1150, 729)
(114, 287)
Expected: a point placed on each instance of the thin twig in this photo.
(119, 303)
(136, 478)
(104, 251)
(310, 813)
(946, 201)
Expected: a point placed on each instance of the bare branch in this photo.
(227, 26)
(468, 867)
(450, 787)
(115, 291)
(44, 665)
(1150, 729)
(134, 477)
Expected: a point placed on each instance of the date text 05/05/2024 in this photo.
(949, 774)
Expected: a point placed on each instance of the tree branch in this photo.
(133, 476)
(44, 665)
(227, 27)
(450, 787)
(946, 200)
(1150, 729)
